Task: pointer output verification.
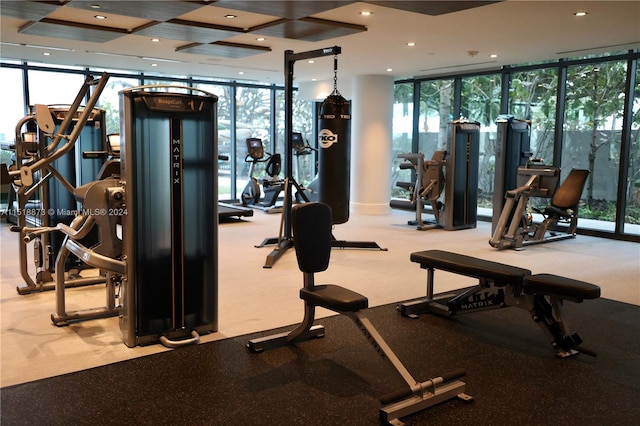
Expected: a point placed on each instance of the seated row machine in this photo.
(311, 223)
(501, 286)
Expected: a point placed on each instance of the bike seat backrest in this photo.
(567, 196)
(311, 224)
(273, 165)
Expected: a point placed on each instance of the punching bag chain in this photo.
(335, 76)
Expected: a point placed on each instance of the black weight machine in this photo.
(454, 172)
(427, 187)
(161, 274)
(63, 148)
(271, 186)
(513, 150)
(284, 240)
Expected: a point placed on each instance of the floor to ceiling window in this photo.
(580, 126)
(592, 132)
(576, 109)
(632, 208)
(252, 120)
(225, 154)
(402, 129)
(480, 102)
(10, 112)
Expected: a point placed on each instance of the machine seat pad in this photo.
(560, 286)
(501, 274)
(334, 297)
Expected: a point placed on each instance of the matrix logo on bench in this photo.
(483, 300)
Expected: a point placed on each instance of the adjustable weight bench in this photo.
(312, 238)
(501, 286)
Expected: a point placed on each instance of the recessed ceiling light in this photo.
(100, 17)
(95, 6)
(389, 69)
(241, 72)
(230, 16)
(311, 61)
(260, 39)
(580, 14)
(46, 53)
(154, 65)
(411, 44)
(366, 13)
(493, 55)
(155, 40)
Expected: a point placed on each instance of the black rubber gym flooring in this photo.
(511, 372)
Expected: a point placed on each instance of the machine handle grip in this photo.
(405, 392)
(195, 338)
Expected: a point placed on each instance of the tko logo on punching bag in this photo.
(326, 138)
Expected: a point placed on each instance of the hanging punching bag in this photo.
(334, 160)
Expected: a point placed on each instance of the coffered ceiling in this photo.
(246, 40)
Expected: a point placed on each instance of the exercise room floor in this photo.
(252, 298)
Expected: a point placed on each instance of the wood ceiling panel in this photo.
(284, 9)
(158, 11)
(309, 29)
(31, 11)
(224, 49)
(197, 32)
(72, 30)
(432, 8)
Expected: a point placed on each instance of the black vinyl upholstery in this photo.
(567, 196)
(560, 286)
(334, 297)
(501, 274)
(311, 224)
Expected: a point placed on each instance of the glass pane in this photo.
(532, 96)
(253, 120)
(402, 128)
(304, 161)
(480, 101)
(109, 100)
(223, 92)
(632, 209)
(436, 111)
(592, 135)
(11, 109)
(53, 88)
